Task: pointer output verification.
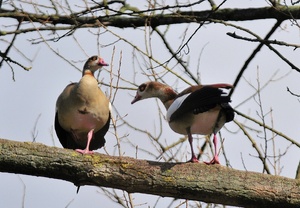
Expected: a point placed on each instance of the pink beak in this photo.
(102, 62)
(136, 98)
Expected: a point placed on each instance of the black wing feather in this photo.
(66, 138)
(201, 101)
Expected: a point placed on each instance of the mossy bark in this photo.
(213, 184)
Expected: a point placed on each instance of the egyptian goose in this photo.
(82, 115)
(201, 109)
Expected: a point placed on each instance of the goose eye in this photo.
(93, 58)
(142, 87)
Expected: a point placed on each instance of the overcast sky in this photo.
(32, 96)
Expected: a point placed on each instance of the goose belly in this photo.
(82, 122)
(202, 123)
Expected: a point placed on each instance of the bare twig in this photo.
(269, 128)
(254, 145)
(294, 94)
(35, 132)
(251, 57)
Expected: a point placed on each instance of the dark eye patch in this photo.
(142, 87)
(94, 58)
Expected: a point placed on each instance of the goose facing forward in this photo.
(82, 115)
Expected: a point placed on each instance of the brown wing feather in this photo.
(198, 87)
(190, 90)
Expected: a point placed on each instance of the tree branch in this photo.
(192, 181)
(121, 20)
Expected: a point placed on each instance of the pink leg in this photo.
(87, 148)
(215, 159)
(194, 158)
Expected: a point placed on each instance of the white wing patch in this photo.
(109, 106)
(175, 105)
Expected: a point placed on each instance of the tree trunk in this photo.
(207, 183)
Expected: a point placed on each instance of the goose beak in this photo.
(102, 63)
(136, 98)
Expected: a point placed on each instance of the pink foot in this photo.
(215, 160)
(85, 151)
(194, 159)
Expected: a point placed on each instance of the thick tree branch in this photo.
(122, 20)
(214, 183)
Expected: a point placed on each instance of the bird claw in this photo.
(215, 160)
(194, 160)
(85, 151)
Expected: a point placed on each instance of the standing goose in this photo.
(82, 115)
(200, 109)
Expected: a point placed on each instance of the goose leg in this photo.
(87, 148)
(215, 159)
(194, 158)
